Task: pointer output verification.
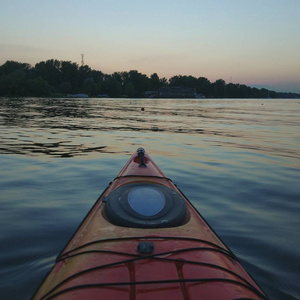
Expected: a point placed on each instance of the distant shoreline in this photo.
(58, 79)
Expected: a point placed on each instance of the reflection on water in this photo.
(236, 160)
(68, 127)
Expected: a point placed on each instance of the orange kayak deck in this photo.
(105, 260)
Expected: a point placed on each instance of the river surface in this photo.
(236, 160)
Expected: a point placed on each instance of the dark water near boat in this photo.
(236, 160)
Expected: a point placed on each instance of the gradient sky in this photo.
(252, 42)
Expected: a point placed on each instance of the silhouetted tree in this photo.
(204, 87)
(219, 88)
(69, 74)
(129, 89)
(140, 82)
(38, 87)
(54, 77)
(13, 84)
(65, 87)
(112, 86)
(154, 82)
(11, 66)
(90, 87)
(49, 71)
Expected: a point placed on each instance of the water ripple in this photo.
(236, 160)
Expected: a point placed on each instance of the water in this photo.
(236, 160)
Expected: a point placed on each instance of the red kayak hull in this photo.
(108, 261)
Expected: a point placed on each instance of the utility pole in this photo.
(82, 62)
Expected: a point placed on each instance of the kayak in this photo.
(143, 239)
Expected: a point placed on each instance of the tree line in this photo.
(59, 78)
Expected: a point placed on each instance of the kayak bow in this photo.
(143, 239)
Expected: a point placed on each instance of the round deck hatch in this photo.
(145, 205)
(146, 201)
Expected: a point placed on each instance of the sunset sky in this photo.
(252, 42)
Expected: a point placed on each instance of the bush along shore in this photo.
(54, 78)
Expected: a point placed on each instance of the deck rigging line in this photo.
(229, 253)
(195, 280)
(137, 257)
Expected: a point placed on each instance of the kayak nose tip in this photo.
(140, 150)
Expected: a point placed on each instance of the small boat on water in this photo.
(143, 239)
